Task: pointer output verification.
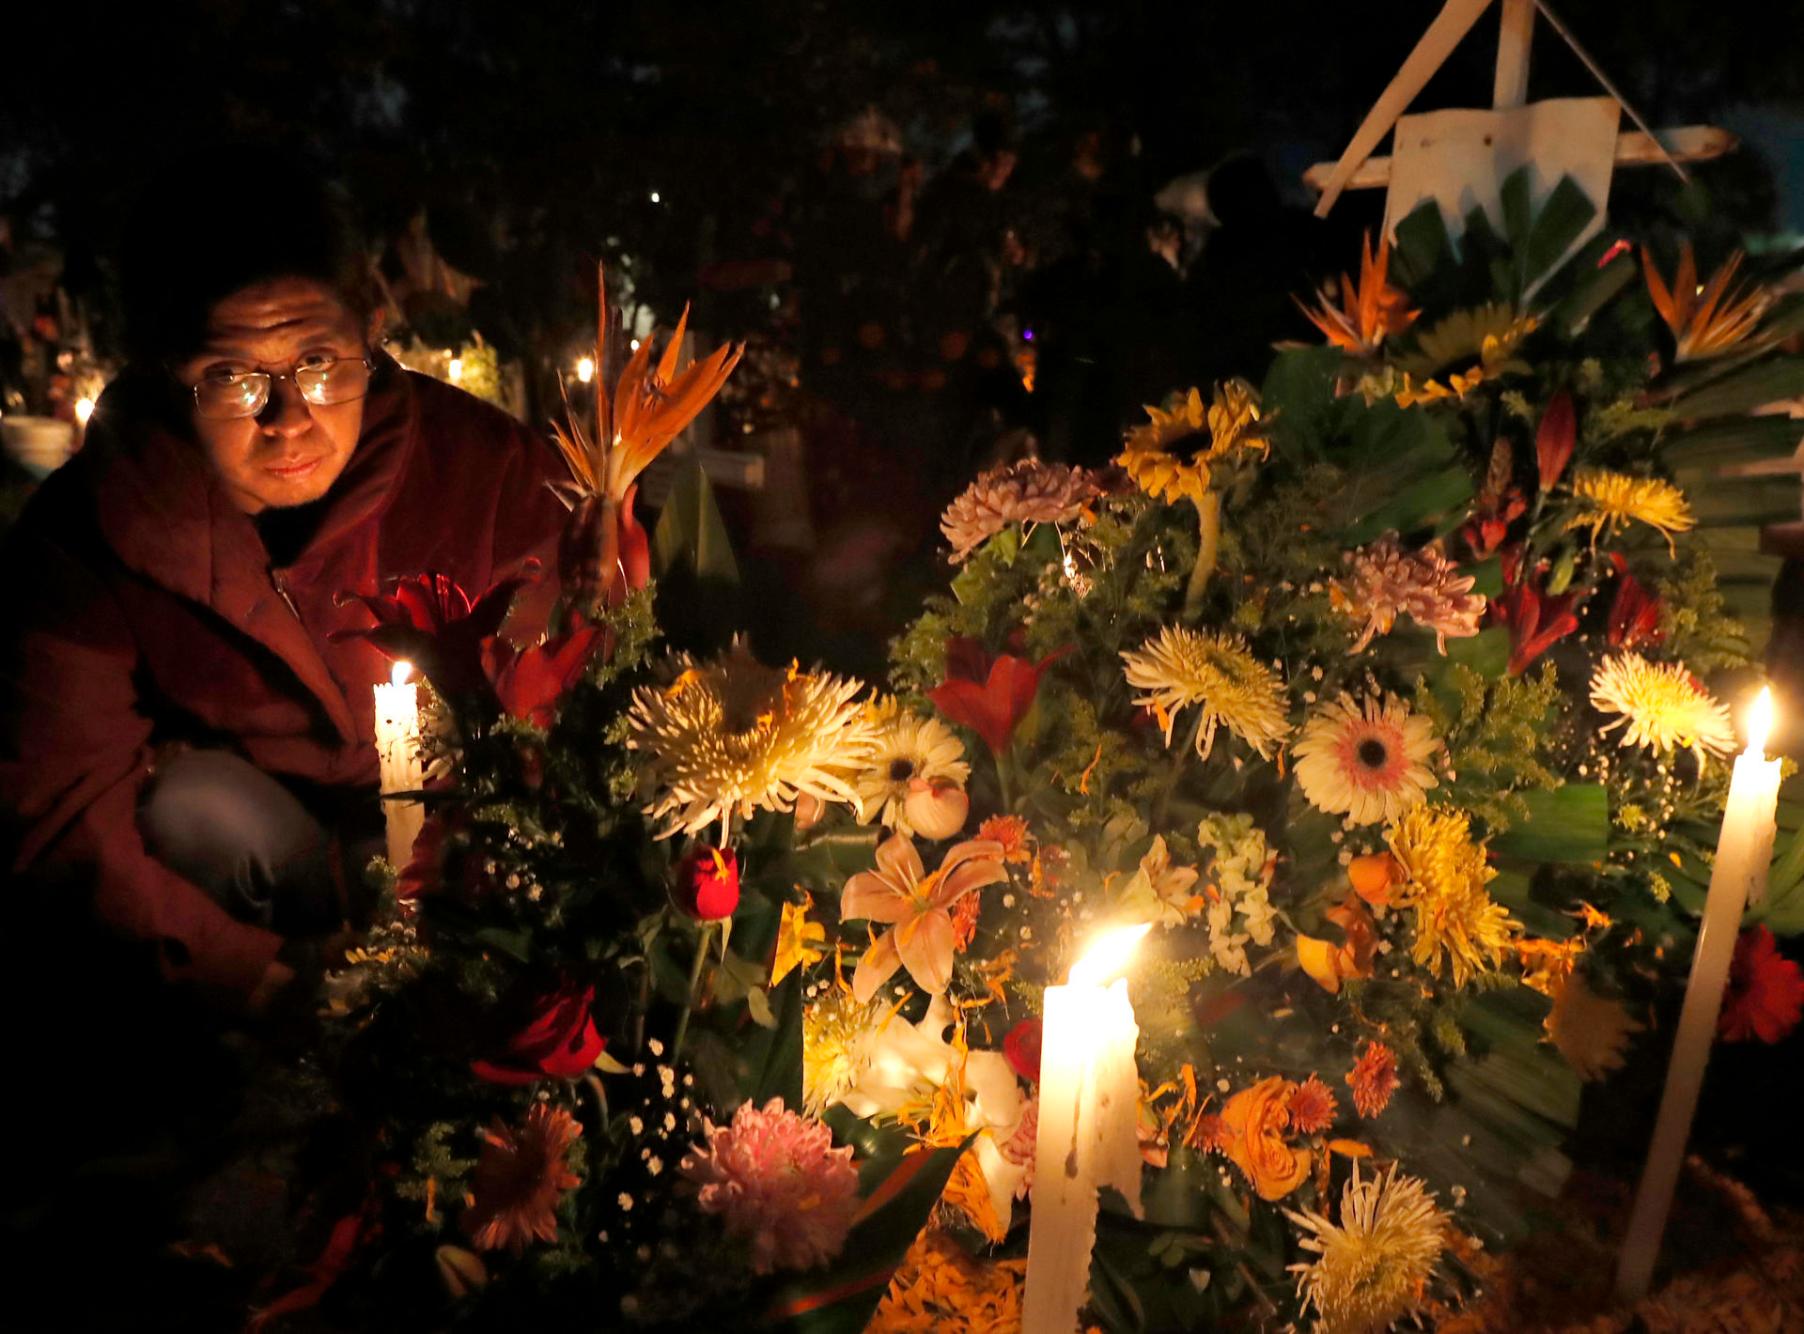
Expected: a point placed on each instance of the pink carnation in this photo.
(779, 1183)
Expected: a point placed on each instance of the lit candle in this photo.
(1744, 850)
(585, 369)
(455, 369)
(1088, 1133)
(398, 748)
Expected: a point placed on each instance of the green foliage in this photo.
(1498, 738)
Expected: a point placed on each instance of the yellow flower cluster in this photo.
(1460, 930)
(943, 1289)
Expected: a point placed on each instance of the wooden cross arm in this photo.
(1687, 143)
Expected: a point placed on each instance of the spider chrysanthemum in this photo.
(1611, 501)
(733, 736)
(1373, 1267)
(1216, 673)
(1365, 760)
(1459, 929)
(838, 1040)
(1660, 706)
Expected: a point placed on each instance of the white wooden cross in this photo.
(1460, 158)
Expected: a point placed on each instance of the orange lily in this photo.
(1367, 311)
(1707, 320)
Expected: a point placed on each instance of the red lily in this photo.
(989, 695)
(1635, 614)
(1499, 504)
(1536, 621)
(530, 682)
(1554, 439)
(431, 621)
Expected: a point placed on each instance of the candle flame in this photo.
(399, 673)
(1109, 955)
(456, 370)
(84, 409)
(1760, 720)
(585, 369)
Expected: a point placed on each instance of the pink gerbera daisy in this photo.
(1367, 760)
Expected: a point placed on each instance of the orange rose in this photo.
(1256, 1119)
(1329, 964)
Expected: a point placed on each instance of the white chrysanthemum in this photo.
(1371, 1269)
(1218, 674)
(1365, 760)
(1661, 706)
(733, 736)
(907, 747)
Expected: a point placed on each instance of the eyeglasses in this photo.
(322, 381)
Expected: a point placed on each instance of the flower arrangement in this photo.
(1393, 693)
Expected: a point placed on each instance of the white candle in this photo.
(1744, 850)
(398, 748)
(1088, 1134)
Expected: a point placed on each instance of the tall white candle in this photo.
(398, 749)
(1088, 1133)
(1744, 850)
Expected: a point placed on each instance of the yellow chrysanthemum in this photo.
(907, 747)
(1614, 500)
(1216, 672)
(941, 1288)
(1661, 706)
(734, 736)
(838, 1039)
(799, 942)
(1372, 1268)
(1232, 422)
(1460, 930)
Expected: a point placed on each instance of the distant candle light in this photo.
(656, 198)
(84, 408)
(635, 344)
(456, 370)
(585, 369)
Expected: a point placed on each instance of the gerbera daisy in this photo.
(1766, 991)
(1373, 1079)
(1312, 1106)
(1028, 492)
(519, 1180)
(1366, 760)
(1611, 501)
(1661, 706)
(907, 748)
(734, 735)
(779, 1184)
(1218, 673)
(1459, 928)
(1370, 1270)
(1232, 422)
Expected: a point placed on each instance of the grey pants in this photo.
(224, 824)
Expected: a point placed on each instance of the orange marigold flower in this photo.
(1312, 1106)
(1010, 831)
(1766, 991)
(520, 1178)
(1208, 1134)
(964, 921)
(1373, 1079)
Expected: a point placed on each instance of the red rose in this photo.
(707, 883)
(1022, 1047)
(559, 1041)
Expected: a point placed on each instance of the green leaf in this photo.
(1752, 387)
(780, 1075)
(690, 532)
(1487, 652)
(515, 944)
(1565, 824)
(1421, 247)
(841, 1298)
(1566, 213)
(1418, 504)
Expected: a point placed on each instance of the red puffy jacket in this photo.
(137, 605)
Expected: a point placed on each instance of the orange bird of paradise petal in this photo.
(1367, 312)
(1708, 320)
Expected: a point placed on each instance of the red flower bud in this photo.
(707, 883)
(558, 1041)
(1555, 438)
(1022, 1047)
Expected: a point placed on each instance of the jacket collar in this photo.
(164, 512)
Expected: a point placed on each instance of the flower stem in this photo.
(1208, 511)
(1005, 781)
(695, 986)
